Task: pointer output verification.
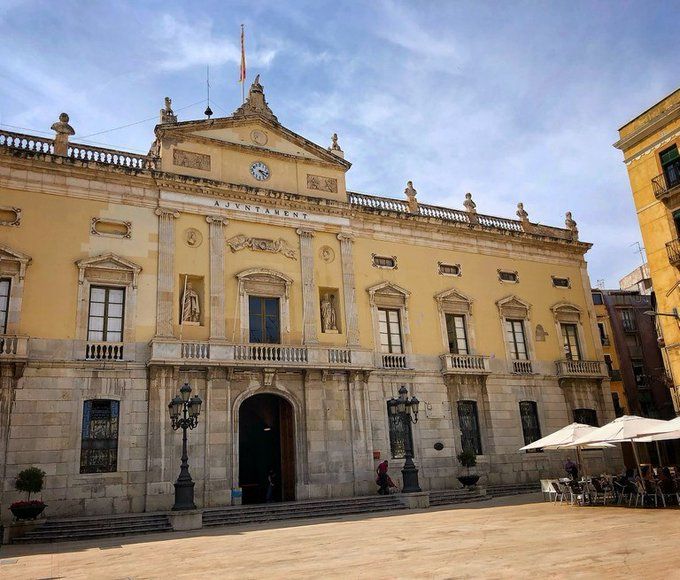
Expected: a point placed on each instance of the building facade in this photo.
(650, 145)
(233, 257)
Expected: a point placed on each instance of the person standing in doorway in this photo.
(271, 484)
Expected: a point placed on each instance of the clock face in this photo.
(259, 171)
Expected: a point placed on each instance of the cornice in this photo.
(654, 125)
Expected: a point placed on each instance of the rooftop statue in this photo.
(63, 131)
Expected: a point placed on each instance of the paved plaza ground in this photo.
(519, 537)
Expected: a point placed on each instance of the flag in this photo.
(242, 75)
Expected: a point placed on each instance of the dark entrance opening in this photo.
(266, 443)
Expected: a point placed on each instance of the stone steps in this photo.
(454, 496)
(513, 489)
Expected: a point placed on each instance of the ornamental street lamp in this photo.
(407, 410)
(184, 411)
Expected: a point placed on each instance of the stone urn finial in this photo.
(62, 132)
(571, 225)
(167, 114)
(411, 197)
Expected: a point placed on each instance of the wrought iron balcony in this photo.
(581, 368)
(13, 347)
(673, 250)
(665, 185)
(465, 364)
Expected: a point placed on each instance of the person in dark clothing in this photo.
(572, 469)
(383, 480)
(271, 484)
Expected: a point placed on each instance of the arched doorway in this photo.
(266, 442)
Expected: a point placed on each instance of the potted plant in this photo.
(467, 458)
(30, 480)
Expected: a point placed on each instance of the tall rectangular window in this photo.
(572, 350)
(603, 333)
(4, 304)
(469, 426)
(516, 340)
(389, 322)
(455, 330)
(586, 416)
(400, 433)
(597, 298)
(105, 321)
(608, 362)
(628, 320)
(99, 439)
(528, 412)
(265, 320)
(670, 163)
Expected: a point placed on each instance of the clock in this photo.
(259, 171)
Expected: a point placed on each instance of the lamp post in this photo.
(184, 411)
(408, 410)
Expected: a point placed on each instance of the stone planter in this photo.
(468, 480)
(27, 512)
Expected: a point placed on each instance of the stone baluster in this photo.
(349, 289)
(166, 271)
(309, 297)
(218, 321)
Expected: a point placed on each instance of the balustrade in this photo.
(270, 353)
(522, 367)
(13, 347)
(104, 351)
(195, 350)
(465, 364)
(394, 361)
(579, 368)
(341, 356)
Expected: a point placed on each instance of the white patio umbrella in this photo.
(564, 439)
(623, 429)
(671, 430)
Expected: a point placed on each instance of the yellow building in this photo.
(234, 258)
(650, 145)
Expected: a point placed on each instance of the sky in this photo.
(511, 101)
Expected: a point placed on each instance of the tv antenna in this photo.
(208, 111)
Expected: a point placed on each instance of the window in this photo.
(528, 412)
(628, 320)
(400, 429)
(618, 410)
(608, 362)
(384, 262)
(455, 330)
(586, 416)
(516, 341)
(264, 321)
(105, 321)
(670, 164)
(603, 333)
(505, 276)
(469, 426)
(99, 440)
(639, 373)
(4, 304)
(572, 350)
(449, 269)
(390, 331)
(597, 298)
(561, 282)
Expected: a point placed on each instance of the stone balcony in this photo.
(587, 369)
(521, 367)
(465, 364)
(213, 353)
(13, 347)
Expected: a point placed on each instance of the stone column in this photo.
(309, 294)
(349, 289)
(166, 270)
(218, 322)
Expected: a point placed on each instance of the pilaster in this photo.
(309, 297)
(166, 270)
(218, 328)
(349, 289)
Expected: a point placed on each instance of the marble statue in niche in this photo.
(329, 322)
(191, 307)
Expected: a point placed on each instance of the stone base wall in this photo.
(341, 427)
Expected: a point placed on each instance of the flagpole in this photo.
(243, 65)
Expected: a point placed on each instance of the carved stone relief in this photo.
(193, 238)
(540, 333)
(190, 159)
(279, 246)
(111, 228)
(321, 183)
(327, 254)
(10, 216)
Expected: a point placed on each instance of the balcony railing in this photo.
(393, 361)
(339, 356)
(270, 353)
(465, 364)
(13, 347)
(522, 367)
(664, 186)
(104, 351)
(673, 251)
(580, 368)
(629, 325)
(196, 350)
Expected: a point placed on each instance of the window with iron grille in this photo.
(572, 349)
(528, 412)
(628, 320)
(449, 269)
(505, 276)
(389, 322)
(516, 341)
(560, 282)
(455, 330)
(400, 429)
(586, 416)
(468, 419)
(105, 320)
(384, 262)
(4, 304)
(99, 439)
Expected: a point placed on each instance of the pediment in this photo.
(7, 253)
(388, 288)
(452, 295)
(566, 312)
(512, 306)
(108, 262)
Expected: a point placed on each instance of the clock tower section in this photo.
(250, 149)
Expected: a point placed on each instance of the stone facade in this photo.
(332, 383)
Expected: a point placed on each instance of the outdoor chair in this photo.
(599, 492)
(643, 491)
(670, 492)
(576, 493)
(547, 489)
(560, 490)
